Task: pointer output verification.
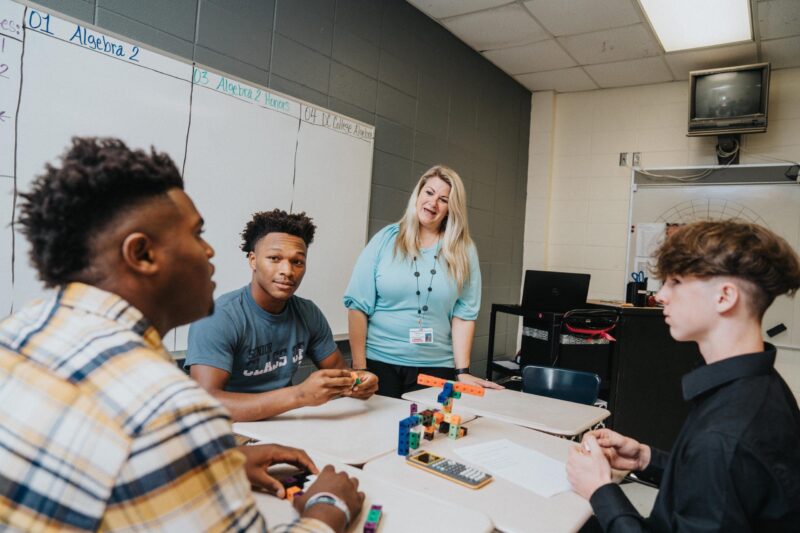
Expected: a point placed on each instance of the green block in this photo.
(457, 394)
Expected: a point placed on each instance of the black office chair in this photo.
(570, 385)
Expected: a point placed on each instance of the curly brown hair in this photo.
(68, 204)
(737, 249)
(276, 221)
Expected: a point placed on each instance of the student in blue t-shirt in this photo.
(246, 353)
(415, 291)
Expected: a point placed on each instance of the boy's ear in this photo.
(138, 253)
(728, 296)
(251, 260)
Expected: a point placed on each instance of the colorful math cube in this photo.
(433, 420)
(373, 519)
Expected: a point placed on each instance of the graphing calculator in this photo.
(449, 469)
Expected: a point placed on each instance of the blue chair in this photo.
(560, 383)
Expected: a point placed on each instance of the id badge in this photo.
(420, 335)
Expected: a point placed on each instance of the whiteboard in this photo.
(242, 148)
(775, 204)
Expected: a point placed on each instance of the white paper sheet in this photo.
(522, 466)
(648, 238)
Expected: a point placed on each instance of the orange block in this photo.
(291, 492)
(475, 390)
(430, 381)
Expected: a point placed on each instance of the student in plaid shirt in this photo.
(98, 428)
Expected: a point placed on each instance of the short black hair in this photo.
(276, 221)
(67, 205)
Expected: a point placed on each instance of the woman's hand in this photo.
(469, 379)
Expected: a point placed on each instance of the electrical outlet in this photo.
(637, 159)
(623, 159)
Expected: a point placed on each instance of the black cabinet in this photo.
(647, 365)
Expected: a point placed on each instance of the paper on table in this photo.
(522, 466)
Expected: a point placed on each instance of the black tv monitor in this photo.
(729, 100)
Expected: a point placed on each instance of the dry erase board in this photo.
(764, 194)
(242, 148)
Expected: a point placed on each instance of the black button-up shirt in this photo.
(735, 465)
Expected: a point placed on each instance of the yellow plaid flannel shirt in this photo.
(99, 430)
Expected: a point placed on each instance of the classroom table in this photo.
(404, 510)
(351, 431)
(510, 507)
(530, 410)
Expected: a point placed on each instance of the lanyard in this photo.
(421, 309)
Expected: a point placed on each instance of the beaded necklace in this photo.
(421, 309)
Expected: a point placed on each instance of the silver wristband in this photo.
(330, 499)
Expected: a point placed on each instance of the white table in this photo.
(349, 430)
(510, 507)
(403, 510)
(538, 412)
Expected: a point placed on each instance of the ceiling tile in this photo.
(447, 8)
(782, 53)
(626, 73)
(680, 63)
(564, 81)
(630, 42)
(536, 57)
(583, 16)
(778, 18)
(496, 28)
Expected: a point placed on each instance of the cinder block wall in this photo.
(431, 98)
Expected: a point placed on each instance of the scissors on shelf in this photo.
(638, 277)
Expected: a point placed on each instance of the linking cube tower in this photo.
(426, 423)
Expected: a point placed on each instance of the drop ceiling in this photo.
(579, 45)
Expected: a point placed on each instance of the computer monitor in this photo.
(556, 292)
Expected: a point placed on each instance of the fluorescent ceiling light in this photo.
(686, 24)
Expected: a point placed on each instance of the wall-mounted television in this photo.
(729, 100)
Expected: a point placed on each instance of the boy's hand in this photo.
(623, 453)
(367, 385)
(262, 456)
(338, 483)
(587, 467)
(324, 385)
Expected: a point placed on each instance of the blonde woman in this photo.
(415, 291)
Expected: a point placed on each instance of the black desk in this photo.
(646, 365)
(542, 345)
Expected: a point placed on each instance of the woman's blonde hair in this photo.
(454, 229)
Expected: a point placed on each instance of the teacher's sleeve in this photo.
(469, 300)
(361, 292)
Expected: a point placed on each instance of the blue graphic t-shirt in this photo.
(261, 351)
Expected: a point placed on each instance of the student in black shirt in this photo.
(735, 465)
